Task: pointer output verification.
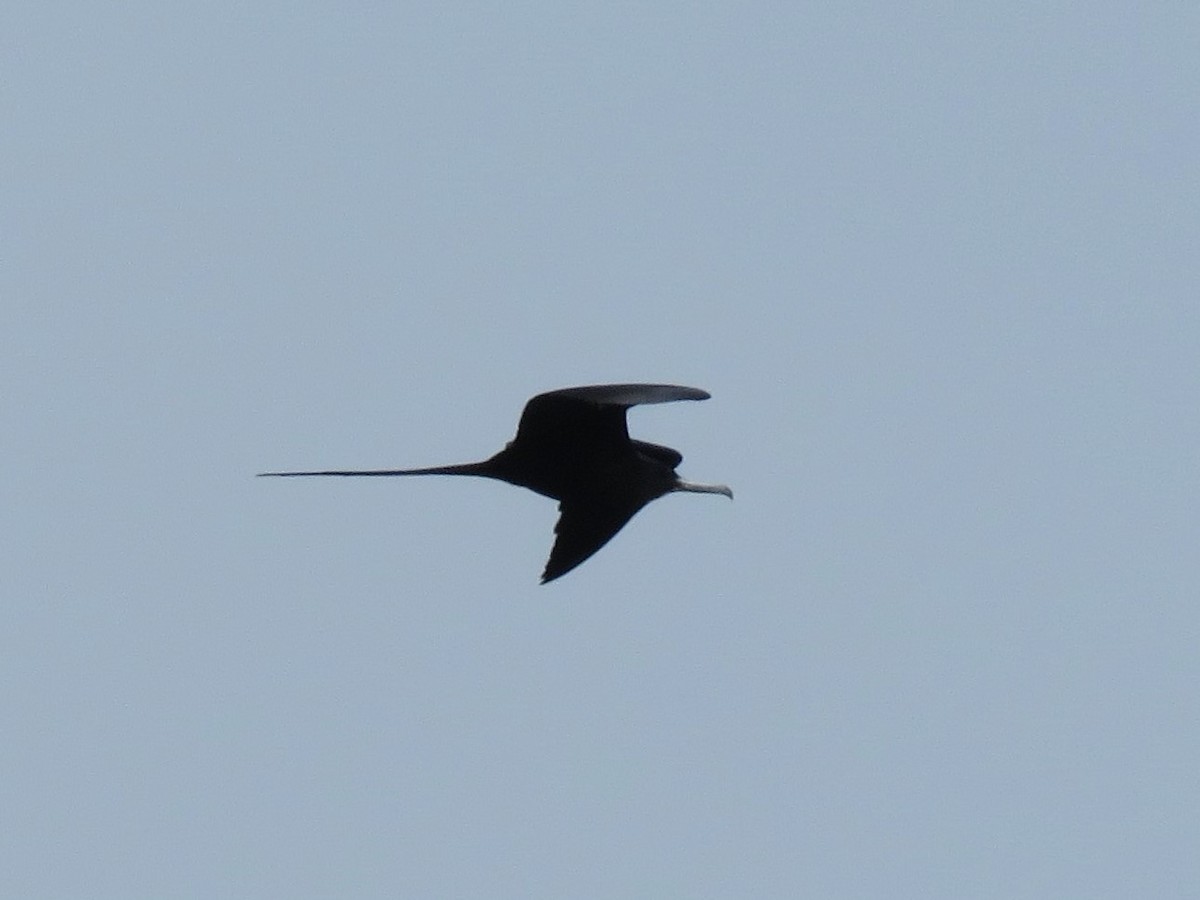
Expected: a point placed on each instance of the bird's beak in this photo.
(704, 488)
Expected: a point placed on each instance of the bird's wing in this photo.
(582, 529)
(630, 394)
(590, 416)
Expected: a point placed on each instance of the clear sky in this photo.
(938, 266)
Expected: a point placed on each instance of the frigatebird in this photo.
(573, 446)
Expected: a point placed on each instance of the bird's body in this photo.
(572, 445)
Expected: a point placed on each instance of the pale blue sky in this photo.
(938, 266)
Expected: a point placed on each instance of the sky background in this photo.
(938, 266)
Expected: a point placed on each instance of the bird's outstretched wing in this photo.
(592, 416)
(582, 529)
(629, 394)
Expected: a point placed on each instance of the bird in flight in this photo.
(572, 445)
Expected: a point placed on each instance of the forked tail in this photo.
(461, 469)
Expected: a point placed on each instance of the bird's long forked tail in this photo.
(460, 469)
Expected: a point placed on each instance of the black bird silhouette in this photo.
(572, 445)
